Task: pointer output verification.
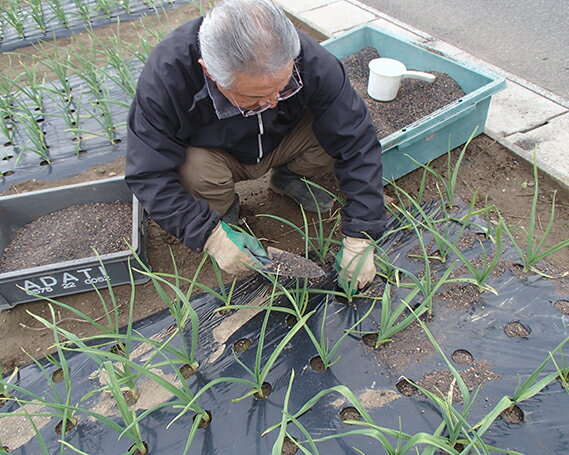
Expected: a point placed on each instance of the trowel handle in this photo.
(263, 260)
(427, 77)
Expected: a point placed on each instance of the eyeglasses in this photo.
(292, 88)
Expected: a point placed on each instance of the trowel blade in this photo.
(292, 265)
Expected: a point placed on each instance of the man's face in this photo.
(256, 91)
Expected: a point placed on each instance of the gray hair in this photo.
(246, 36)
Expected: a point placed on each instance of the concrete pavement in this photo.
(525, 37)
(522, 117)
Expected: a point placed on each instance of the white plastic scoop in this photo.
(385, 76)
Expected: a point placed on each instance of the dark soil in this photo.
(289, 447)
(513, 414)
(462, 357)
(266, 390)
(138, 452)
(58, 376)
(350, 413)
(292, 265)
(370, 339)
(242, 345)
(317, 364)
(187, 371)
(516, 329)
(562, 306)
(68, 234)
(70, 425)
(204, 422)
(291, 320)
(405, 387)
(405, 348)
(414, 100)
(459, 295)
(130, 397)
(439, 382)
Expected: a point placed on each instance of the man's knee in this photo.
(206, 176)
(202, 170)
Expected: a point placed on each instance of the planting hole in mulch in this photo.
(341, 299)
(204, 422)
(137, 451)
(317, 364)
(69, 234)
(130, 397)
(70, 425)
(513, 414)
(458, 447)
(516, 329)
(187, 371)
(289, 447)
(225, 311)
(405, 387)
(3, 399)
(58, 376)
(291, 320)
(370, 339)
(118, 349)
(414, 100)
(462, 357)
(266, 390)
(6, 448)
(242, 345)
(562, 306)
(350, 413)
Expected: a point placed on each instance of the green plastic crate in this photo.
(432, 135)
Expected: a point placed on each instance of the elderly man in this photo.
(230, 96)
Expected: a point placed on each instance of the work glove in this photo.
(232, 249)
(355, 263)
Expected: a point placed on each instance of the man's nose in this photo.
(271, 101)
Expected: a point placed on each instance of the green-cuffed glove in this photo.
(355, 263)
(232, 249)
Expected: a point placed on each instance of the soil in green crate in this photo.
(69, 234)
(414, 100)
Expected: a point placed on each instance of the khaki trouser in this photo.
(210, 173)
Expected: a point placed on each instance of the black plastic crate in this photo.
(69, 277)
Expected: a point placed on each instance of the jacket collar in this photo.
(223, 108)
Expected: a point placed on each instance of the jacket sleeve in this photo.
(344, 128)
(152, 161)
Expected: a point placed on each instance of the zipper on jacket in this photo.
(260, 136)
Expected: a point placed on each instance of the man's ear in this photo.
(202, 63)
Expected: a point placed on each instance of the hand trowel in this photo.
(289, 264)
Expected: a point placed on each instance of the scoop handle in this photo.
(263, 260)
(427, 77)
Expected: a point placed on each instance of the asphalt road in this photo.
(528, 38)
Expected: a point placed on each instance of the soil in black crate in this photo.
(415, 98)
(68, 234)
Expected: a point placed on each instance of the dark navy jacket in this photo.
(172, 111)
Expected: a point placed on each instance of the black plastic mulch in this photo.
(76, 22)
(477, 327)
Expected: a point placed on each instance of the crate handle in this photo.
(407, 141)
